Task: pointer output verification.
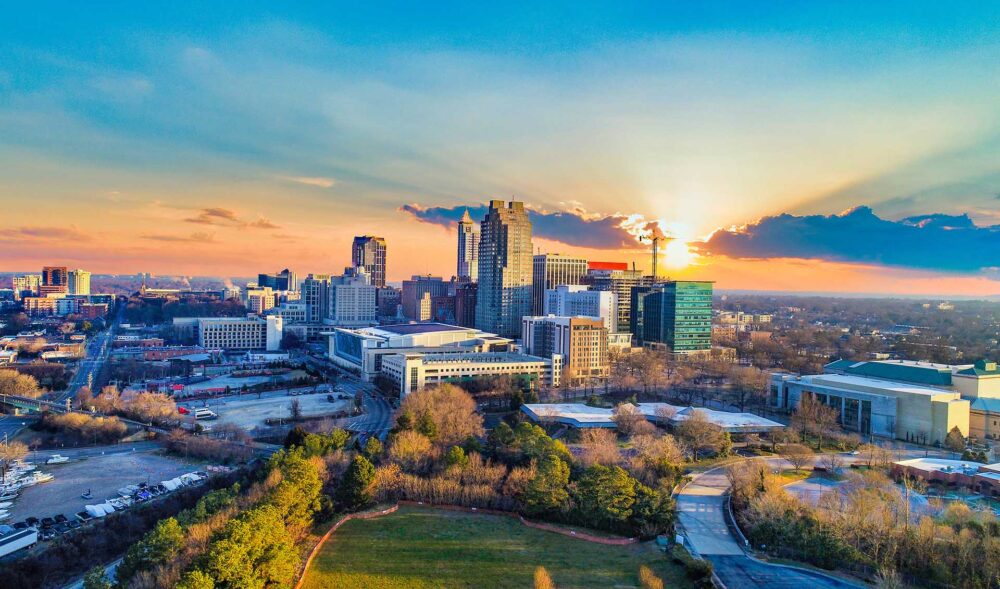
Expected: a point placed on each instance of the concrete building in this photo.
(234, 333)
(675, 314)
(55, 280)
(571, 300)
(352, 300)
(26, 285)
(388, 300)
(979, 478)
(315, 293)
(414, 371)
(551, 270)
(609, 277)
(283, 281)
(505, 268)
(52, 305)
(79, 282)
(290, 313)
(468, 249)
(259, 299)
(362, 350)
(582, 342)
(369, 252)
(877, 405)
(417, 294)
(465, 304)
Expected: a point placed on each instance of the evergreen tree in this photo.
(546, 492)
(355, 489)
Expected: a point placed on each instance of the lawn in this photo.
(421, 548)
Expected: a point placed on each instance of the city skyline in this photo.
(850, 150)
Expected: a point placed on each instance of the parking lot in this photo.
(103, 475)
(248, 412)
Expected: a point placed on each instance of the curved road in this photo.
(701, 506)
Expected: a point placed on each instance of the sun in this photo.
(677, 255)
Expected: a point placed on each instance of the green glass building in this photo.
(676, 314)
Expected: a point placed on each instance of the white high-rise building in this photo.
(259, 299)
(468, 249)
(571, 300)
(29, 283)
(79, 282)
(504, 293)
(352, 301)
(237, 333)
(551, 270)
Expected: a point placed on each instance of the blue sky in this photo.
(125, 120)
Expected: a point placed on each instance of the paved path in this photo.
(701, 509)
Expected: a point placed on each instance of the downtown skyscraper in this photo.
(550, 271)
(468, 249)
(368, 252)
(505, 264)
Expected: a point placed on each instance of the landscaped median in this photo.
(420, 546)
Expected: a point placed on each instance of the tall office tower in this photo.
(468, 249)
(368, 252)
(551, 270)
(504, 293)
(619, 280)
(352, 300)
(27, 285)
(571, 300)
(316, 295)
(282, 281)
(676, 314)
(465, 304)
(417, 294)
(55, 280)
(79, 282)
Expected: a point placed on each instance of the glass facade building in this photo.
(676, 314)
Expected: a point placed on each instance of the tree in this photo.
(373, 449)
(426, 425)
(355, 489)
(10, 453)
(16, 384)
(798, 455)
(295, 410)
(96, 578)
(648, 579)
(196, 579)
(955, 441)
(409, 449)
(627, 418)
(254, 550)
(456, 457)
(698, 433)
(451, 409)
(600, 446)
(546, 492)
(542, 579)
(813, 417)
(606, 495)
(159, 546)
(296, 437)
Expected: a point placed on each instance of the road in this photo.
(98, 350)
(109, 571)
(377, 418)
(701, 506)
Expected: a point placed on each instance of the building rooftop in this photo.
(941, 465)
(981, 368)
(417, 328)
(724, 419)
(924, 373)
(576, 414)
(985, 404)
(848, 380)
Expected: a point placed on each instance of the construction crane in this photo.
(656, 239)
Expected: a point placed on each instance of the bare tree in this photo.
(627, 418)
(600, 446)
(10, 453)
(832, 462)
(698, 433)
(295, 409)
(813, 417)
(798, 455)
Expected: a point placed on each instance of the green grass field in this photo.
(418, 548)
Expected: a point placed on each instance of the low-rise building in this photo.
(234, 333)
(362, 350)
(581, 416)
(413, 371)
(980, 478)
(581, 341)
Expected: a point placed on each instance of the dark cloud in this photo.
(229, 218)
(44, 233)
(571, 228)
(951, 243)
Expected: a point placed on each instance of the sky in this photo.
(833, 147)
